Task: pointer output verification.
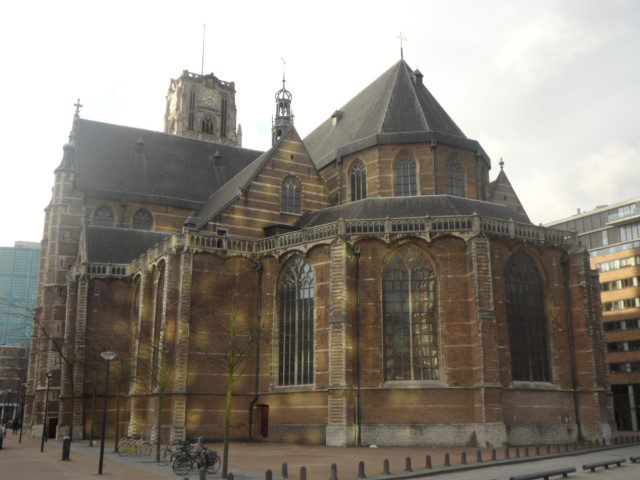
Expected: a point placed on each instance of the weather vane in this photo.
(402, 38)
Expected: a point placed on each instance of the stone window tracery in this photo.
(142, 220)
(358, 181)
(192, 110)
(291, 195)
(410, 317)
(296, 322)
(103, 216)
(207, 125)
(454, 178)
(406, 178)
(526, 319)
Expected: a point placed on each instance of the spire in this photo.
(283, 111)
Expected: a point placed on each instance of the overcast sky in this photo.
(552, 87)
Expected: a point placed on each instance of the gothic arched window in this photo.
(296, 299)
(192, 110)
(207, 125)
(142, 220)
(103, 216)
(291, 195)
(406, 179)
(410, 317)
(358, 180)
(156, 349)
(455, 178)
(223, 117)
(526, 318)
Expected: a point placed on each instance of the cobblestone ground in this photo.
(249, 461)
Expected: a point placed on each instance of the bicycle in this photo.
(136, 445)
(170, 452)
(184, 462)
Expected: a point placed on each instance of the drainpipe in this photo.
(572, 352)
(256, 387)
(356, 252)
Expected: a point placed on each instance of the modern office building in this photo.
(612, 235)
(19, 267)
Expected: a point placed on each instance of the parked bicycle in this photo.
(133, 446)
(170, 452)
(198, 456)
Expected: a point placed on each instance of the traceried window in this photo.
(207, 125)
(223, 117)
(142, 220)
(406, 179)
(410, 317)
(358, 181)
(291, 195)
(527, 322)
(156, 350)
(455, 178)
(192, 110)
(296, 300)
(103, 216)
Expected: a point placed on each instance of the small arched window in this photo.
(296, 300)
(103, 216)
(455, 178)
(410, 317)
(406, 179)
(358, 180)
(142, 220)
(207, 125)
(526, 319)
(291, 195)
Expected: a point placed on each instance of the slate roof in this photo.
(163, 169)
(118, 245)
(395, 108)
(399, 207)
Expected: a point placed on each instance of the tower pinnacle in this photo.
(283, 112)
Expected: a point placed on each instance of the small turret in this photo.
(283, 113)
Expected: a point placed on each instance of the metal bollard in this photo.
(463, 458)
(268, 475)
(428, 461)
(447, 460)
(334, 472)
(361, 473)
(407, 465)
(229, 476)
(494, 455)
(479, 456)
(303, 473)
(385, 467)
(1, 439)
(285, 471)
(66, 448)
(202, 474)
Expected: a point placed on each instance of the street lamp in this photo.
(108, 356)
(46, 411)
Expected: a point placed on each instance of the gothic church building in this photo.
(388, 292)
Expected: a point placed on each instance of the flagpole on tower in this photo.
(204, 28)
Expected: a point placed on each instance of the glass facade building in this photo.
(19, 268)
(612, 235)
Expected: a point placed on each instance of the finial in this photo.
(284, 68)
(78, 106)
(402, 38)
(501, 163)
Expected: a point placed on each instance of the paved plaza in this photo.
(250, 460)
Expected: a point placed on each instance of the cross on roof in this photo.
(78, 106)
(402, 38)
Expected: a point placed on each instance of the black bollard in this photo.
(268, 475)
(428, 461)
(66, 448)
(494, 455)
(507, 453)
(478, 456)
(1, 439)
(285, 471)
(361, 470)
(447, 460)
(303, 473)
(334, 472)
(229, 475)
(407, 465)
(463, 458)
(202, 474)
(385, 467)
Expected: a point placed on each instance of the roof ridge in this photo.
(415, 96)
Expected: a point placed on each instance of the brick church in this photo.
(400, 296)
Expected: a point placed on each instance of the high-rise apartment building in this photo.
(612, 235)
(19, 267)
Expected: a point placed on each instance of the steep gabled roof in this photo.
(399, 207)
(118, 245)
(501, 191)
(118, 162)
(395, 108)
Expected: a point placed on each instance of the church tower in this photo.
(203, 107)
(283, 118)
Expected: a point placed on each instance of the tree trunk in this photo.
(158, 422)
(227, 424)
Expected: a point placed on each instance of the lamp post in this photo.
(108, 356)
(46, 412)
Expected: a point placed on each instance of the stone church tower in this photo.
(202, 107)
